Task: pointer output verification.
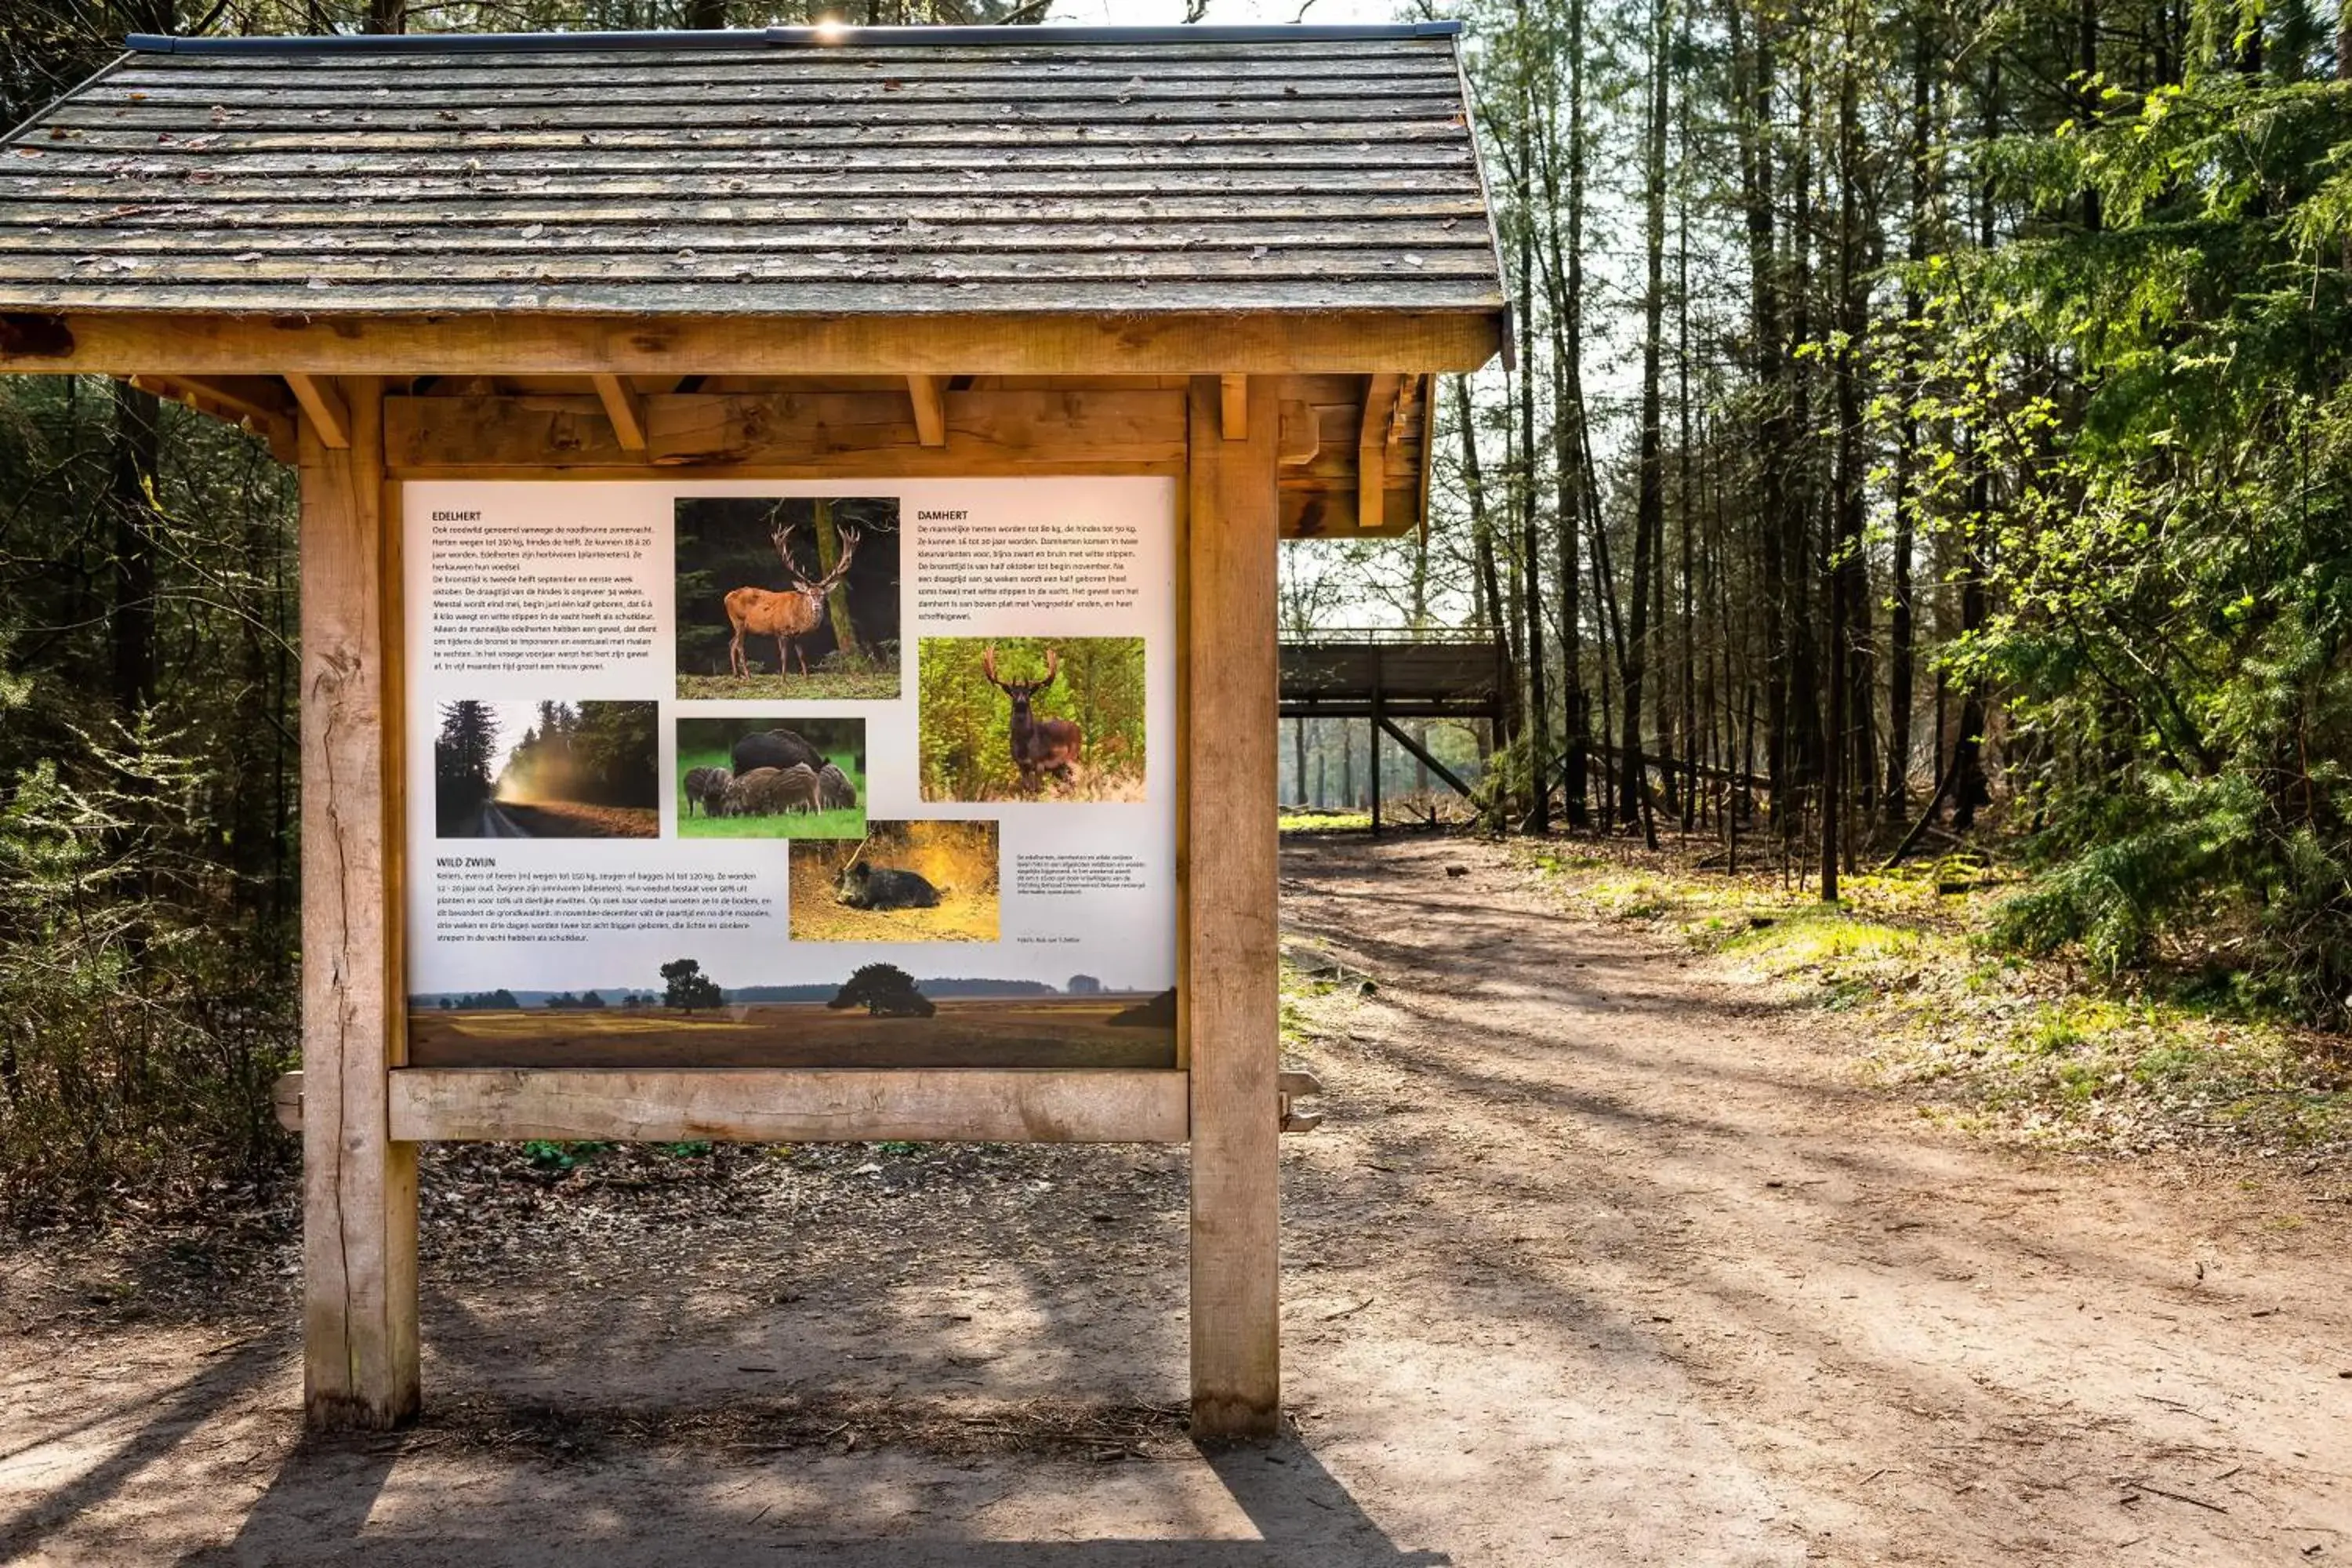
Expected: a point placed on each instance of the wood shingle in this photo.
(787, 173)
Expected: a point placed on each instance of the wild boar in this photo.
(834, 788)
(775, 749)
(771, 792)
(705, 787)
(863, 887)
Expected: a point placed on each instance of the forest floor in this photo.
(1608, 1251)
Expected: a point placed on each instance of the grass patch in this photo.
(2000, 1045)
(816, 686)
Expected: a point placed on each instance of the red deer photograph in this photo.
(787, 596)
(1031, 719)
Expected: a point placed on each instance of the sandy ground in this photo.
(1597, 1260)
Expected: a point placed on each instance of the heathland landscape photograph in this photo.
(546, 770)
(865, 1014)
(771, 777)
(904, 881)
(788, 597)
(1031, 719)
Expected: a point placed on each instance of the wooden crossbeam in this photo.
(478, 342)
(930, 409)
(1372, 450)
(793, 1105)
(255, 403)
(325, 407)
(836, 432)
(625, 408)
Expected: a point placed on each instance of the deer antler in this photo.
(1053, 667)
(825, 584)
(988, 664)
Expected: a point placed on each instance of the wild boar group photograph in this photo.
(770, 777)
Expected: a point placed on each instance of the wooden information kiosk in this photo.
(765, 269)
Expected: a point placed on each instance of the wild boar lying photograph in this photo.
(863, 887)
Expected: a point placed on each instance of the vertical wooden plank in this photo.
(1236, 389)
(1372, 440)
(1230, 653)
(930, 409)
(358, 1188)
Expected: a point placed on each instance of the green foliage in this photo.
(966, 720)
(548, 1155)
(147, 776)
(2169, 397)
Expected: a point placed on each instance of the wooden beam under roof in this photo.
(133, 342)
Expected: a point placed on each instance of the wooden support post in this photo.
(930, 409)
(1374, 734)
(1372, 436)
(1234, 417)
(359, 1187)
(1230, 897)
(625, 408)
(323, 407)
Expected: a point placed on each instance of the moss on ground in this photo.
(1980, 1038)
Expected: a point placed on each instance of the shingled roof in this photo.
(800, 171)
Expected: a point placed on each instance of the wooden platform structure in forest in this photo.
(1382, 674)
(1230, 258)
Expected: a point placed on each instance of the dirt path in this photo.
(1595, 1261)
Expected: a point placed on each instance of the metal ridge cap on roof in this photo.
(785, 38)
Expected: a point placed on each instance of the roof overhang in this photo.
(795, 201)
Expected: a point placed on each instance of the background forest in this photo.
(1927, 410)
(1930, 416)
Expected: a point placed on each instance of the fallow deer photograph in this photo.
(791, 597)
(1043, 719)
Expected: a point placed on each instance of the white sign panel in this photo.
(876, 773)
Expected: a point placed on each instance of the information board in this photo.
(754, 773)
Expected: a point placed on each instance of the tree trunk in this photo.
(836, 603)
(1538, 819)
(1649, 525)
